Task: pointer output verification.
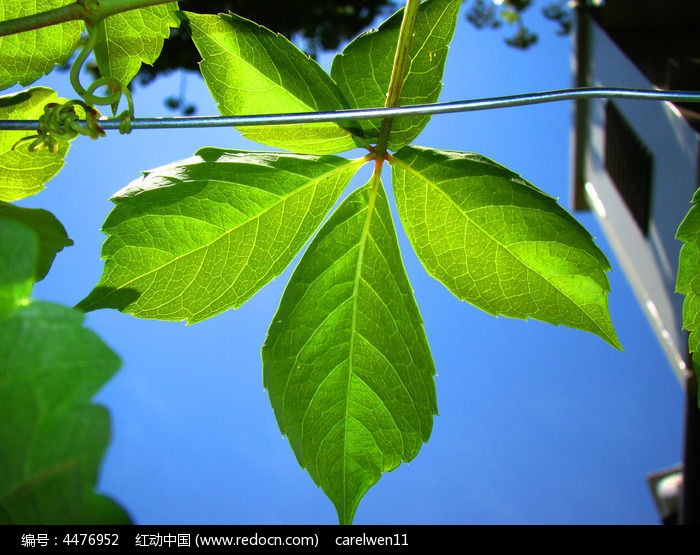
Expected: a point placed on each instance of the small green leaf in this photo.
(346, 361)
(250, 70)
(24, 173)
(51, 438)
(496, 241)
(24, 57)
(50, 232)
(688, 280)
(132, 38)
(363, 69)
(18, 253)
(510, 16)
(194, 238)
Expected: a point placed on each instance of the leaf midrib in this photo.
(357, 280)
(353, 324)
(311, 337)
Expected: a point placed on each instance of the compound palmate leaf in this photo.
(24, 173)
(688, 281)
(24, 57)
(363, 70)
(250, 70)
(346, 361)
(197, 237)
(498, 242)
(131, 38)
(51, 437)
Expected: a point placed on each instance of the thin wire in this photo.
(376, 113)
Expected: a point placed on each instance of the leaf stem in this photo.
(87, 10)
(398, 72)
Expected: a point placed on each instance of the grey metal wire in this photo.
(375, 113)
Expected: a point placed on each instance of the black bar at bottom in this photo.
(690, 505)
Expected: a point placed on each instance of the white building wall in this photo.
(651, 262)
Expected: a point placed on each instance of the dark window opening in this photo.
(629, 164)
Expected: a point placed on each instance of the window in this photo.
(629, 164)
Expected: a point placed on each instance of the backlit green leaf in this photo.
(51, 437)
(24, 173)
(18, 253)
(50, 232)
(496, 241)
(688, 281)
(346, 362)
(132, 38)
(250, 70)
(194, 238)
(24, 57)
(363, 69)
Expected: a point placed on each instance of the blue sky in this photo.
(538, 424)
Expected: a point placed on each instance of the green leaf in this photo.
(194, 238)
(688, 280)
(18, 252)
(132, 38)
(50, 232)
(24, 173)
(496, 241)
(24, 57)
(51, 438)
(250, 70)
(346, 361)
(509, 16)
(363, 69)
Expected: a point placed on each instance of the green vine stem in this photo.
(86, 10)
(398, 72)
(115, 89)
